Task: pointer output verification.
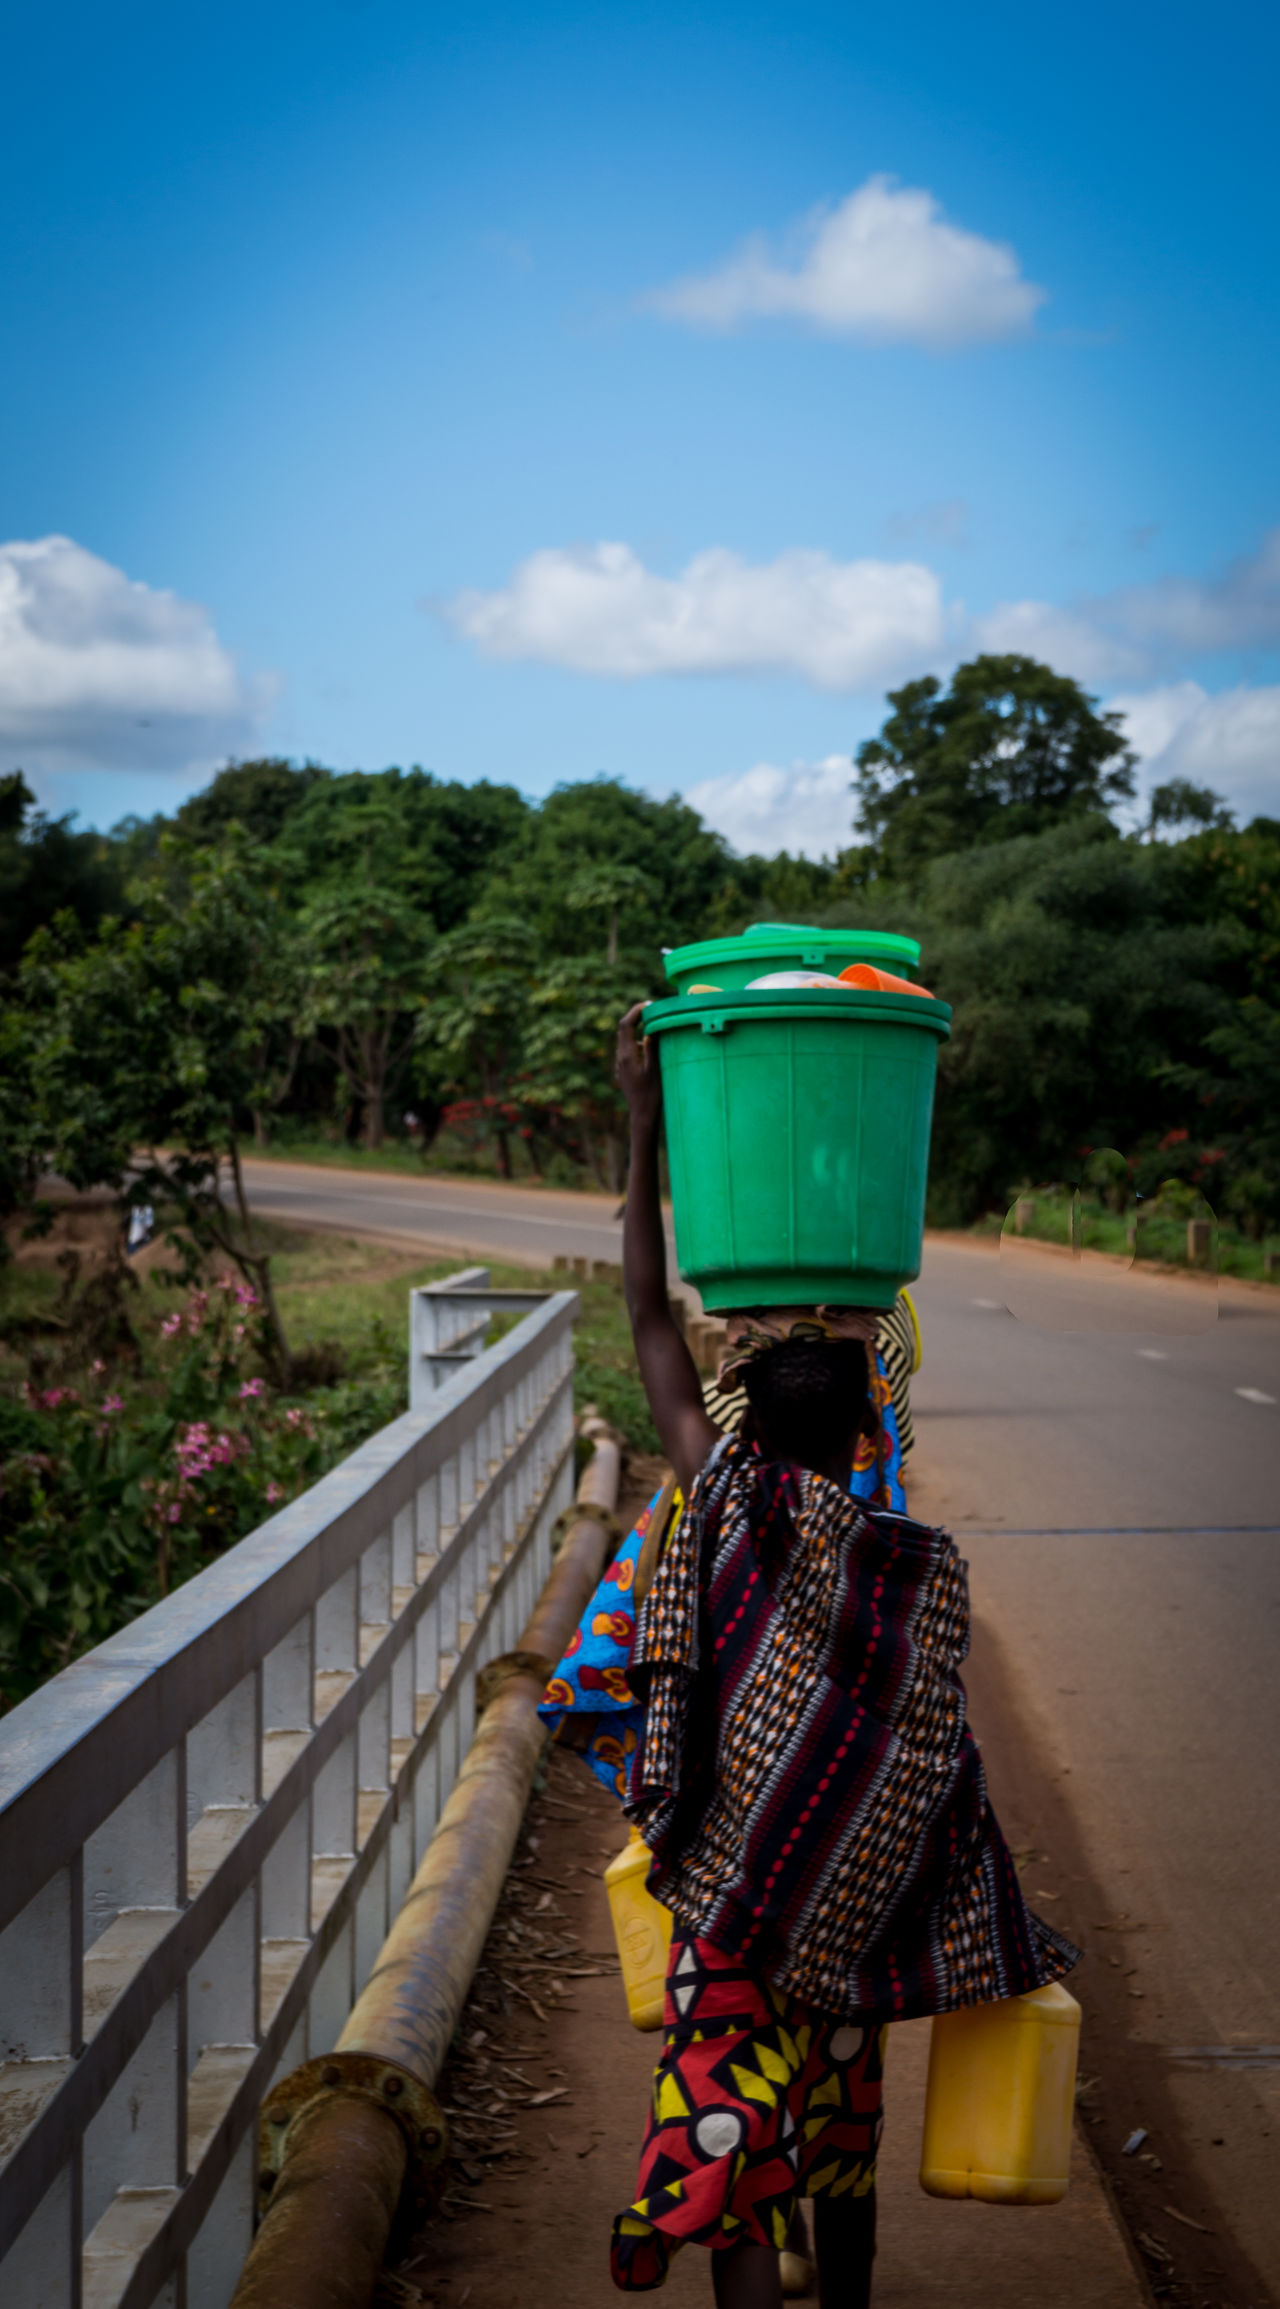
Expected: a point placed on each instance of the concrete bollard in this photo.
(1199, 1242)
(1024, 1211)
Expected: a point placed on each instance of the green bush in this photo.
(110, 1499)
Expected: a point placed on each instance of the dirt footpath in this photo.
(558, 2084)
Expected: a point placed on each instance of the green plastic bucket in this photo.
(798, 1139)
(768, 946)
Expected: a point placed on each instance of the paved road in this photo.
(1129, 1595)
(465, 1215)
(1118, 1493)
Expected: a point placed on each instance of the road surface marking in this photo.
(1153, 1354)
(993, 1303)
(1226, 2055)
(1254, 1395)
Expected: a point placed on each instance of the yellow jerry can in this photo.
(642, 1929)
(1000, 2099)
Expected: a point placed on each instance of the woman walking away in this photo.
(806, 1782)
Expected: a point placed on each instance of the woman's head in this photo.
(810, 1400)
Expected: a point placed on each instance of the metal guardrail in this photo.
(349, 2141)
(208, 1824)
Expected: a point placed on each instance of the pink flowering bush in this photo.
(109, 1499)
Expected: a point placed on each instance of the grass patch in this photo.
(1159, 1237)
(355, 1293)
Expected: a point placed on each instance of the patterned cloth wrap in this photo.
(757, 2099)
(752, 1331)
(588, 1700)
(806, 1779)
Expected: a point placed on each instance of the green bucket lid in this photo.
(767, 946)
(837, 1005)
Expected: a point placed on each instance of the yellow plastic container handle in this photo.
(642, 1929)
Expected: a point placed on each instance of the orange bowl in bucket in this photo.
(875, 981)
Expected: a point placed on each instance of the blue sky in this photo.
(535, 393)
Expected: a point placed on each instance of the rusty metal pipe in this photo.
(414, 1996)
(331, 2209)
(341, 2181)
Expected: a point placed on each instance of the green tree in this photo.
(434, 845)
(1228, 1093)
(22, 1148)
(1010, 749)
(1076, 976)
(1231, 1150)
(364, 951)
(47, 868)
(147, 1044)
(1233, 878)
(470, 1033)
(262, 796)
(606, 890)
(568, 1058)
(1179, 804)
(665, 868)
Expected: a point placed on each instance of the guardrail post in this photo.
(40, 2026)
(434, 1329)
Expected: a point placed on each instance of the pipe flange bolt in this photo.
(490, 1680)
(586, 1511)
(361, 2076)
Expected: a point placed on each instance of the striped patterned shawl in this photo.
(807, 1781)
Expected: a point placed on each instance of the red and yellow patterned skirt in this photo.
(757, 2099)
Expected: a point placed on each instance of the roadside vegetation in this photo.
(394, 970)
(144, 1429)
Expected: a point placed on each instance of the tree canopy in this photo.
(304, 950)
(47, 868)
(146, 1047)
(1010, 748)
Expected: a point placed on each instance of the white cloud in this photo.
(865, 625)
(807, 809)
(1230, 742)
(1238, 610)
(98, 670)
(843, 625)
(1139, 631)
(884, 265)
(1076, 642)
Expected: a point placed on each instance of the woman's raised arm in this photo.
(667, 1368)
